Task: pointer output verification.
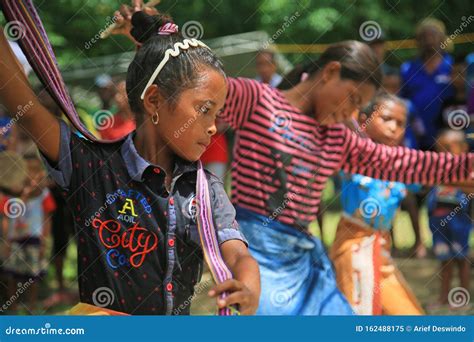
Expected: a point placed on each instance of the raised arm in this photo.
(23, 106)
(402, 164)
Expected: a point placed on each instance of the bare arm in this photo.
(402, 164)
(244, 289)
(23, 105)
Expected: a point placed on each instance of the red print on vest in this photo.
(138, 240)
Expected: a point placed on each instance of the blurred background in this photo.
(294, 32)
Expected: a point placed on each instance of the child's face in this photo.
(453, 142)
(391, 84)
(265, 66)
(429, 39)
(387, 124)
(335, 99)
(187, 126)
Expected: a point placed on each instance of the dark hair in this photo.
(293, 77)
(180, 73)
(358, 63)
(378, 100)
(460, 59)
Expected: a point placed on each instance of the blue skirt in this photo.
(296, 275)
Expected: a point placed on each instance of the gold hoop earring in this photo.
(155, 118)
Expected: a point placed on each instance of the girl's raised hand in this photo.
(123, 17)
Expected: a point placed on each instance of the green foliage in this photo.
(71, 24)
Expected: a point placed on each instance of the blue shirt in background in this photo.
(373, 201)
(427, 93)
(5, 130)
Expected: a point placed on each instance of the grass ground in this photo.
(421, 274)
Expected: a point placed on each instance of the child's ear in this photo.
(331, 70)
(152, 100)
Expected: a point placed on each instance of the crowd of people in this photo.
(389, 137)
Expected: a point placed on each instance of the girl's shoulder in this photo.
(81, 144)
(252, 86)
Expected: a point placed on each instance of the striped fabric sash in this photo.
(37, 49)
(219, 270)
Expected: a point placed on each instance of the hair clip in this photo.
(174, 52)
(168, 29)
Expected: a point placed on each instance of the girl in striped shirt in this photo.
(288, 144)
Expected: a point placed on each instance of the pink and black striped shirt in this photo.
(283, 158)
